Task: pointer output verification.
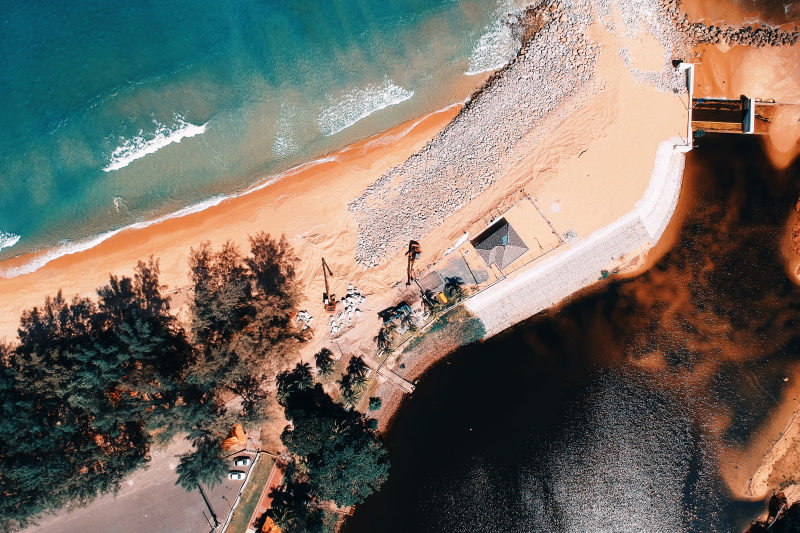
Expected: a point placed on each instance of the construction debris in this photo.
(304, 318)
(351, 311)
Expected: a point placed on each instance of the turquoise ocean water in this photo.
(118, 113)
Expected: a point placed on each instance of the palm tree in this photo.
(291, 381)
(357, 370)
(324, 361)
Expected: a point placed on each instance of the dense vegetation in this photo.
(243, 333)
(336, 456)
(354, 380)
(89, 386)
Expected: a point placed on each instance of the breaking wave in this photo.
(7, 240)
(80, 246)
(132, 149)
(70, 248)
(494, 49)
(359, 103)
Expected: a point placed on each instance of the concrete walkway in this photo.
(377, 365)
(543, 285)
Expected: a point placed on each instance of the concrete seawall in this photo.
(521, 296)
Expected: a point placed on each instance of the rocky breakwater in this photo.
(763, 35)
(556, 61)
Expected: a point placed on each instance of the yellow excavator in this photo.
(328, 299)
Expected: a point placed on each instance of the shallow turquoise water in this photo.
(116, 113)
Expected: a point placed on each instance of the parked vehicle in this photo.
(242, 460)
(236, 475)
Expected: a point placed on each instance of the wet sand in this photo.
(308, 204)
(577, 159)
(741, 12)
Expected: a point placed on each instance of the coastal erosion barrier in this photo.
(521, 296)
(555, 66)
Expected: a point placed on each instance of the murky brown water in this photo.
(610, 414)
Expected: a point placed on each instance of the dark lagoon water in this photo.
(608, 415)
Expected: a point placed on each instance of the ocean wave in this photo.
(384, 139)
(7, 240)
(132, 149)
(359, 103)
(494, 49)
(70, 248)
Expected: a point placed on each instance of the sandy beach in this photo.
(577, 138)
(565, 144)
(307, 204)
(310, 203)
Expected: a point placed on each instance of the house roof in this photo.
(499, 244)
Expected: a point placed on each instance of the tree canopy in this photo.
(323, 359)
(86, 390)
(243, 331)
(90, 385)
(353, 380)
(344, 460)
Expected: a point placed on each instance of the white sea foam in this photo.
(494, 49)
(7, 240)
(285, 143)
(70, 248)
(383, 139)
(350, 107)
(132, 149)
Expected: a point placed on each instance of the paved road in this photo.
(148, 502)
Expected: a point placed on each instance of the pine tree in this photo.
(85, 391)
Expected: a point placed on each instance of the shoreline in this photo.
(577, 267)
(763, 458)
(30, 262)
(577, 165)
(766, 463)
(664, 191)
(595, 127)
(259, 207)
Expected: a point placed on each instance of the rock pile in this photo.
(304, 318)
(749, 36)
(556, 61)
(466, 157)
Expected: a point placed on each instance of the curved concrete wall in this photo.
(521, 296)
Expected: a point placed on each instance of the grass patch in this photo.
(464, 327)
(252, 492)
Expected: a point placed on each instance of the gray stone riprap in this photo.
(556, 65)
(764, 35)
(517, 298)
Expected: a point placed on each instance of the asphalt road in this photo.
(149, 501)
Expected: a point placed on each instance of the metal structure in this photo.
(328, 299)
(413, 253)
